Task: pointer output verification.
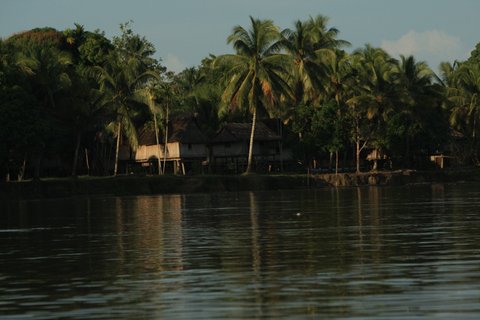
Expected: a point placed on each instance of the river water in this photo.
(355, 253)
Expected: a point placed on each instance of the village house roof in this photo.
(235, 132)
(179, 130)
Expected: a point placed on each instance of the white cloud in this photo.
(433, 46)
(173, 63)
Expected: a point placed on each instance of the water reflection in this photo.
(333, 253)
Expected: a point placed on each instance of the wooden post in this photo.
(87, 162)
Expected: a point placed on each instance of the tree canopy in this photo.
(75, 93)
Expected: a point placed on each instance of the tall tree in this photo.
(127, 70)
(135, 48)
(375, 98)
(465, 113)
(309, 44)
(150, 95)
(255, 75)
(120, 79)
(46, 78)
(46, 69)
(189, 80)
(418, 122)
(86, 112)
(339, 77)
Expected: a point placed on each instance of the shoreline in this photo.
(171, 184)
(400, 177)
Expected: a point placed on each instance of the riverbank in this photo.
(399, 177)
(137, 185)
(170, 184)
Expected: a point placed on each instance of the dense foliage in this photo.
(68, 98)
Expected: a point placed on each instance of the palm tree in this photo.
(189, 80)
(420, 103)
(168, 93)
(376, 97)
(464, 95)
(86, 109)
(149, 95)
(46, 68)
(306, 73)
(308, 44)
(46, 71)
(120, 79)
(255, 73)
(339, 77)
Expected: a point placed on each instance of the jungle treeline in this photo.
(68, 97)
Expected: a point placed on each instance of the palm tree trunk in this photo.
(117, 150)
(87, 162)
(166, 142)
(280, 130)
(75, 157)
(250, 146)
(157, 140)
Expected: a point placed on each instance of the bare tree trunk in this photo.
(357, 142)
(336, 162)
(358, 147)
(250, 147)
(117, 150)
(75, 157)
(21, 173)
(357, 155)
(7, 176)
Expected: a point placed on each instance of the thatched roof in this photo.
(234, 132)
(179, 130)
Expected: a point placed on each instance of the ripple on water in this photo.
(394, 253)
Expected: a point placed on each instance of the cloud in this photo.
(173, 63)
(433, 46)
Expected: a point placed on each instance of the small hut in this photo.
(378, 157)
(441, 161)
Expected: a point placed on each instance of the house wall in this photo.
(148, 152)
(238, 149)
(175, 150)
(193, 150)
(233, 149)
(182, 151)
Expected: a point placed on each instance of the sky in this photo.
(186, 31)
